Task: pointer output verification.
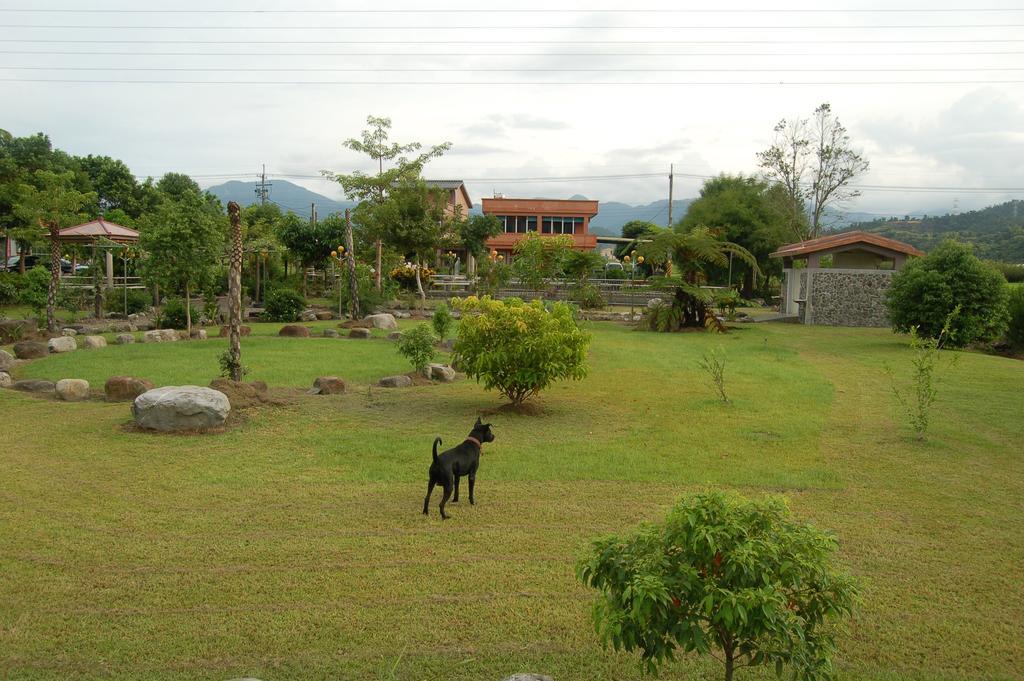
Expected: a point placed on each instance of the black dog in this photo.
(452, 464)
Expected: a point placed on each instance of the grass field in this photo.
(292, 545)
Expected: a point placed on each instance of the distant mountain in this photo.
(290, 197)
(997, 232)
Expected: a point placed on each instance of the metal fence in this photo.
(613, 291)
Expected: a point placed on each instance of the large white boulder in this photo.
(6, 360)
(185, 407)
(94, 342)
(62, 344)
(382, 321)
(160, 336)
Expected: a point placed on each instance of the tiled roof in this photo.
(834, 241)
(100, 228)
(444, 184)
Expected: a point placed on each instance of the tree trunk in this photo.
(97, 294)
(748, 284)
(350, 260)
(188, 312)
(51, 291)
(419, 282)
(235, 293)
(21, 261)
(376, 272)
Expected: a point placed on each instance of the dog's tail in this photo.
(437, 441)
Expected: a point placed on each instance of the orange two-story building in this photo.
(547, 217)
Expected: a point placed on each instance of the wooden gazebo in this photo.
(100, 233)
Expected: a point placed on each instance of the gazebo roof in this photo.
(844, 241)
(98, 229)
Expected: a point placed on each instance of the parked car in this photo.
(34, 260)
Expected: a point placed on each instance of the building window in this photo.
(562, 225)
(518, 224)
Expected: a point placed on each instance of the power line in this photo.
(684, 27)
(94, 81)
(929, 10)
(641, 69)
(513, 54)
(898, 41)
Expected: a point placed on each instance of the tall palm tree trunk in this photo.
(51, 291)
(235, 293)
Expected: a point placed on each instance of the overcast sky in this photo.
(569, 91)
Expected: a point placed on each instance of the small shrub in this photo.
(492, 276)
(519, 348)
(139, 300)
(418, 346)
(283, 305)
(725, 574)
(918, 405)
(172, 316)
(34, 286)
(228, 365)
(925, 292)
(727, 301)
(8, 288)
(589, 296)
(713, 364)
(1015, 330)
(442, 321)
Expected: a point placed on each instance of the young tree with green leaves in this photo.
(310, 242)
(739, 580)
(539, 259)
(374, 189)
(412, 219)
(474, 232)
(519, 348)
(52, 202)
(183, 239)
(814, 162)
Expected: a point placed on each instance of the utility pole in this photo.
(263, 187)
(671, 182)
(312, 214)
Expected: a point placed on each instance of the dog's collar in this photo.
(479, 444)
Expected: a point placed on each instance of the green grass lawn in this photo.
(292, 546)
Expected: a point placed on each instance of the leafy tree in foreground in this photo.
(737, 579)
(927, 290)
(519, 348)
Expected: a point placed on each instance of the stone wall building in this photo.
(841, 279)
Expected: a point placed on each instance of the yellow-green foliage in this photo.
(519, 348)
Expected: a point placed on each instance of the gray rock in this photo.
(328, 385)
(62, 344)
(30, 350)
(440, 372)
(324, 315)
(93, 342)
(72, 389)
(402, 315)
(186, 407)
(124, 339)
(653, 303)
(124, 388)
(199, 334)
(34, 386)
(395, 382)
(122, 327)
(331, 333)
(359, 333)
(395, 336)
(382, 321)
(68, 332)
(6, 360)
(308, 316)
(160, 336)
(5, 380)
(528, 677)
